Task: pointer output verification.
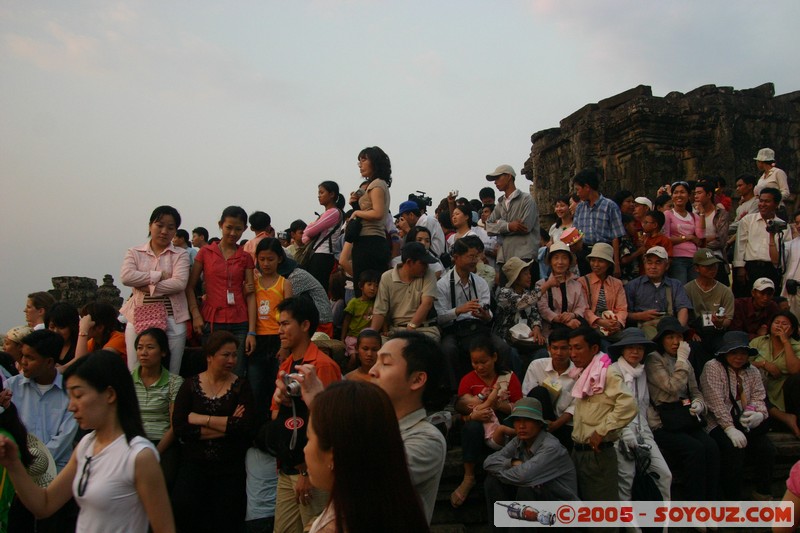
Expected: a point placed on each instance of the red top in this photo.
(473, 384)
(220, 276)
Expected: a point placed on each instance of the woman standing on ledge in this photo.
(158, 272)
(370, 247)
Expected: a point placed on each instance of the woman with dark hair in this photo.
(99, 329)
(486, 393)
(422, 235)
(213, 418)
(157, 272)
(323, 234)
(673, 387)
(563, 218)
(113, 472)
(227, 271)
(352, 429)
(370, 247)
(686, 230)
(156, 389)
(778, 359)
(63, 318)
(461, 217)
(737, 415)
(624, 199)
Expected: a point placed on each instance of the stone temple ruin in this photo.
(79, 291)
(642, 141)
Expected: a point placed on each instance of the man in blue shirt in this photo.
(653, 295)
(597, 217)
(40, 397)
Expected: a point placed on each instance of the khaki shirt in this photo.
(607, 412)
(667, 380)
(397, 300)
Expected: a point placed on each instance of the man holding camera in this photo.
(759, 240)
(462, 307)
(297, 503)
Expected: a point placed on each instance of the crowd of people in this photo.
(638, 338)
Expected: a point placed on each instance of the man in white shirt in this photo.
(757, 253)
(548, 381)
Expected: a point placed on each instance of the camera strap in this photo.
(453, 287)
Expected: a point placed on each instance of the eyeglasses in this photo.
(84, 480)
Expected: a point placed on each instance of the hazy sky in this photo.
(108, 109)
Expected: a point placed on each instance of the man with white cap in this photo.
(533, 466)
(515, 218)
(771, 175)
(755, 313)
(654, 295)
(641, 206)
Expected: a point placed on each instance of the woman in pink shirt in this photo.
(325, 232)
(157, 271)
(685, 230)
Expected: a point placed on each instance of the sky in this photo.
(109, 109)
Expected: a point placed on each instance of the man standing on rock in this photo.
(515, 218)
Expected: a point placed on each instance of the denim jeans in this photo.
(682, 269)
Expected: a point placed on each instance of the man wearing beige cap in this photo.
(771, 175)
(653, 295)
(515, 218)
(641, 206)
(755, 313)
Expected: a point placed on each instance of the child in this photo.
(271, 289)
(651, 235)
(487, 390)
(358, 313)
(629, 249)
(367, 346)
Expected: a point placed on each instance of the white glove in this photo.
(683, 351)
(737, 437)
(629, 440)
(751, 419)
(697, 407)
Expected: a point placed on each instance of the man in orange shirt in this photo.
(297, 503)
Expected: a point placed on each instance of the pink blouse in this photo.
(141, 269)
(675, 227)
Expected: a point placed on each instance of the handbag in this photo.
(353, 230)
(304, 252)
(675, 416)
(644, 488)
(148, 316)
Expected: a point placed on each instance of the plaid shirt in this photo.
(601, 222)
(715, 387)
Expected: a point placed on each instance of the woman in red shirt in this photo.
(229, 303)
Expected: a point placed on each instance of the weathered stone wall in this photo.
(79, 291)
(641, 141)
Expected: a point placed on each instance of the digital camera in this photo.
(292, 385)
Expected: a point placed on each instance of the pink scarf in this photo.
(592, 379)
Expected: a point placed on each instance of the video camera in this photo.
(776, 226)
(421, 199)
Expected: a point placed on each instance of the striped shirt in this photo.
(601, 222)
(154, 401)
